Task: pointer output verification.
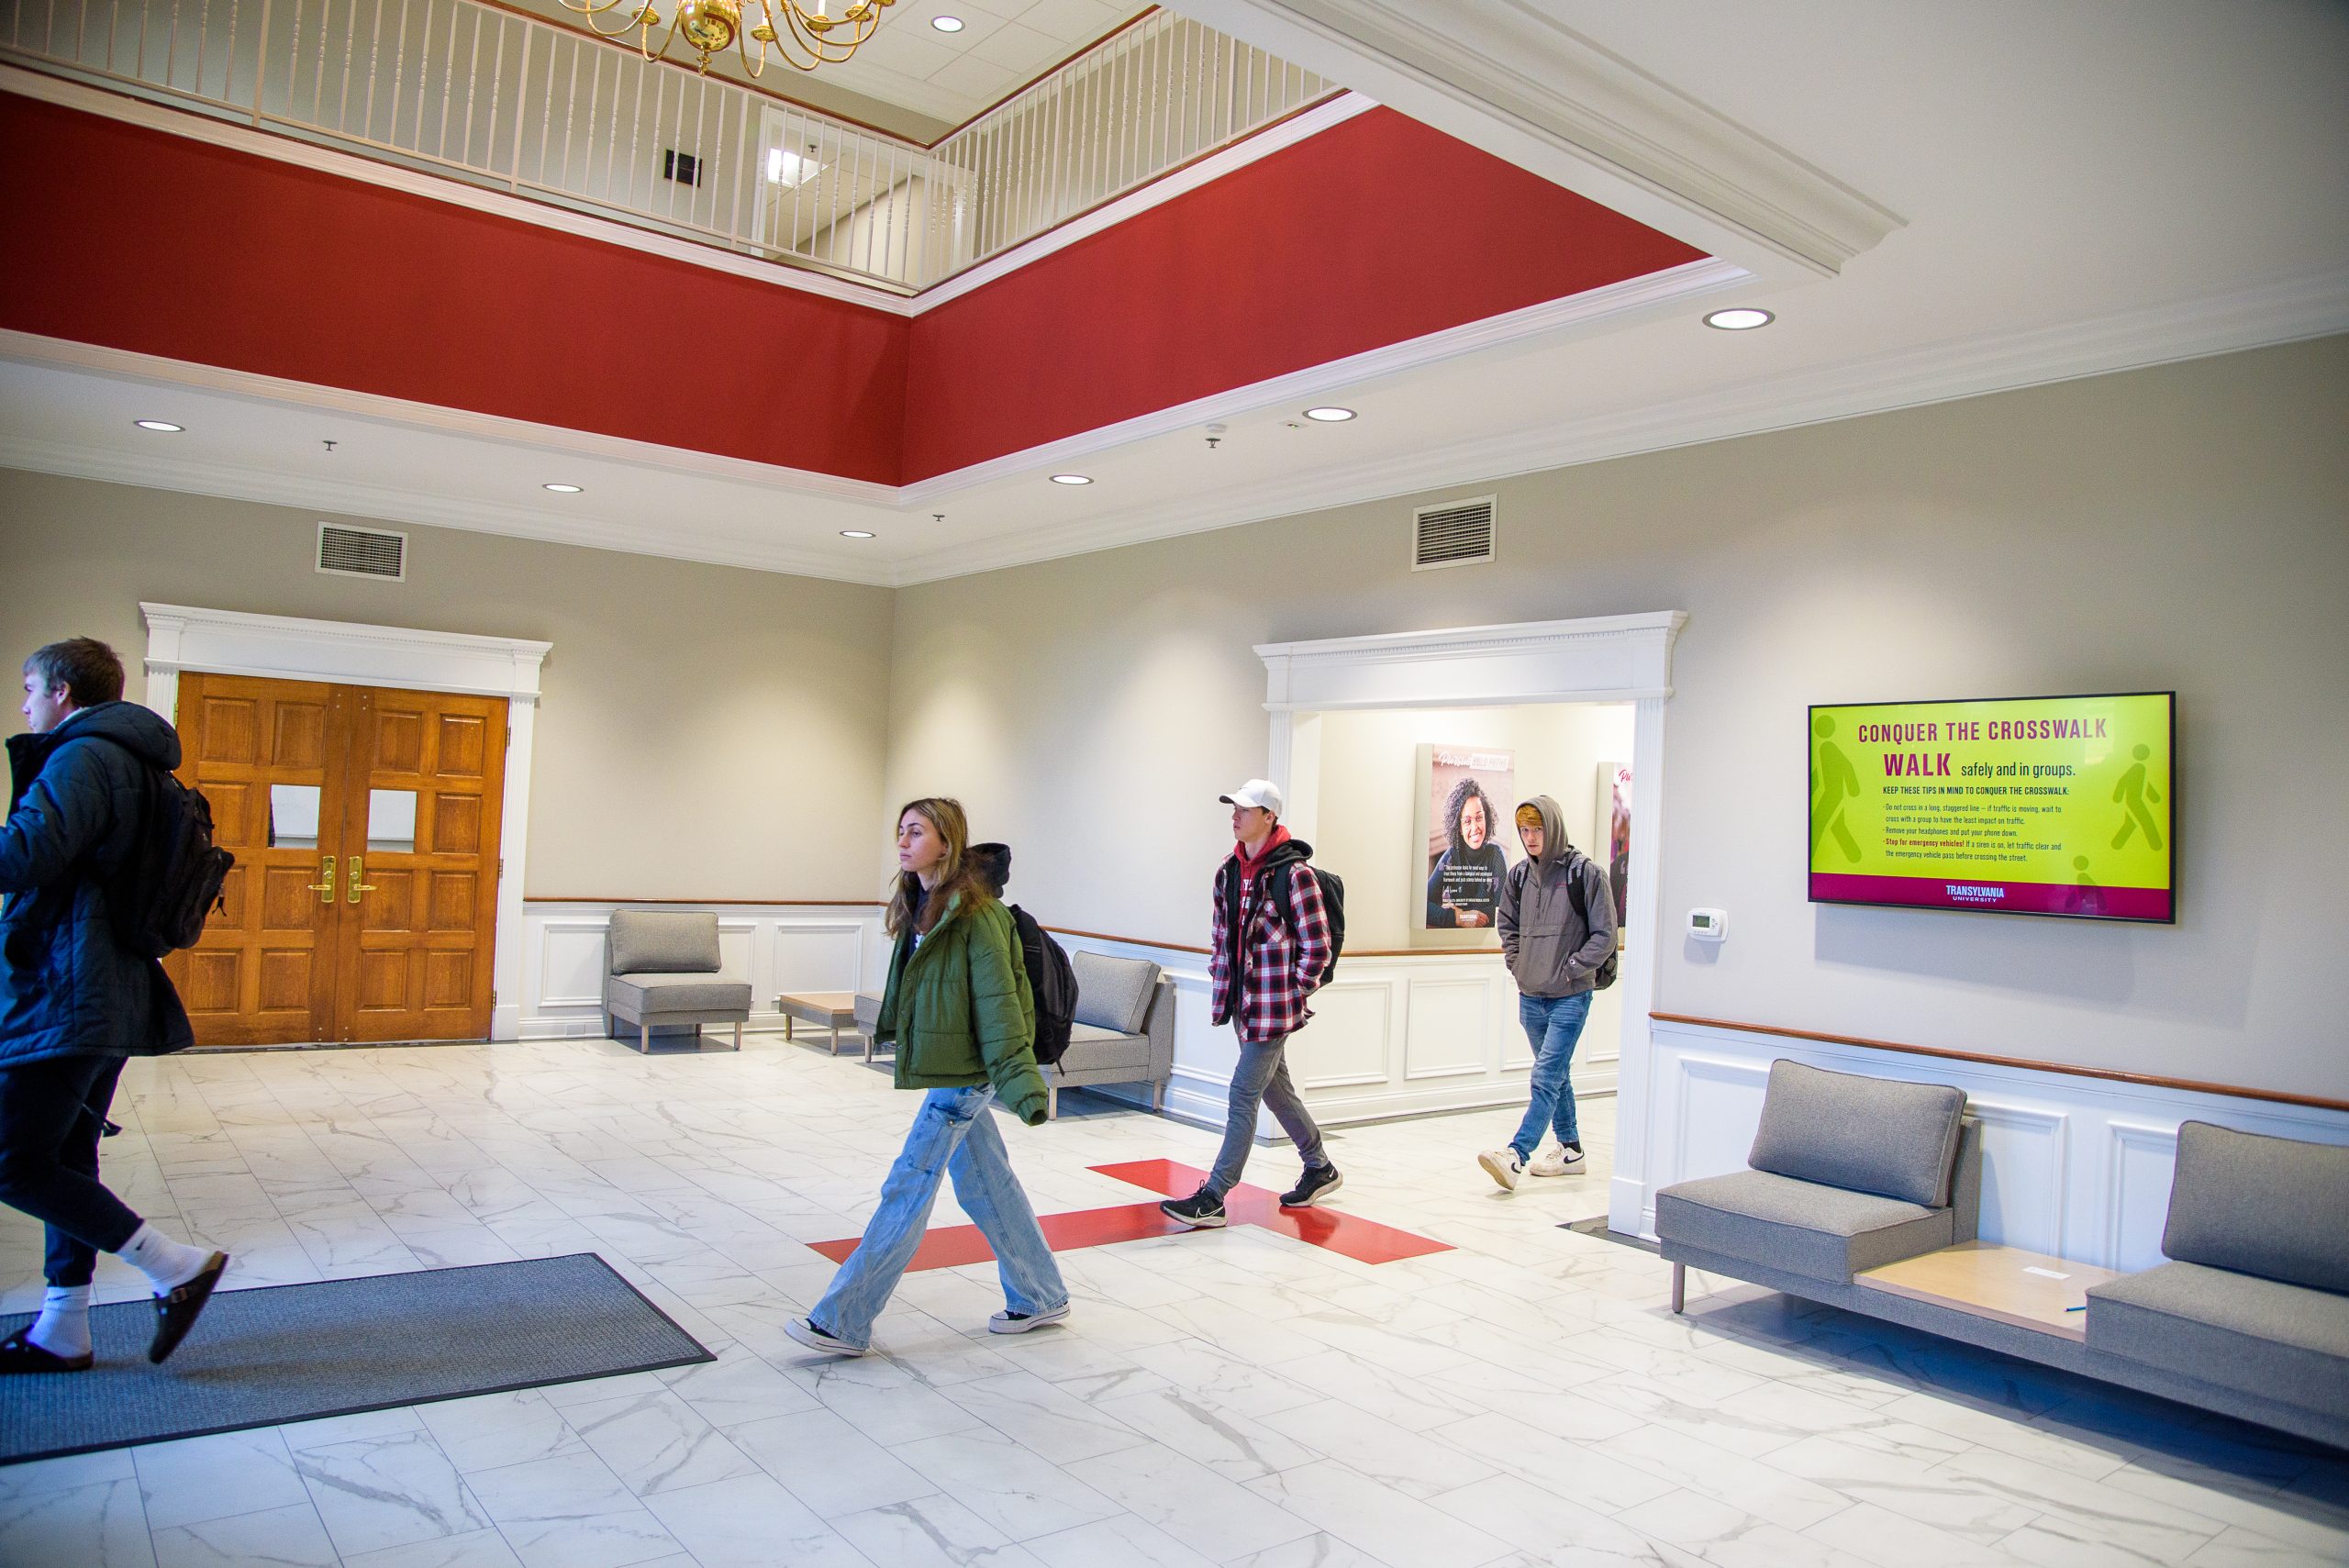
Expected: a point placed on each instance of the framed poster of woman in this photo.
(1466, 794)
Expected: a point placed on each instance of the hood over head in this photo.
(1554, 830)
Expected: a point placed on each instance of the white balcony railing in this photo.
(496, 98)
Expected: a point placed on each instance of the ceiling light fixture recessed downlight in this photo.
(1330, 415)
(856, 533)
(564, 489)
(1741, 319)
(165, 426)
(1072, 479)
(947, 24)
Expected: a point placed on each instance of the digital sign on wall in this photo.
(2032, 806)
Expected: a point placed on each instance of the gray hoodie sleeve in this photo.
(1513, 882)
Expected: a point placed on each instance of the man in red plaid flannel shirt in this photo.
(1270, 948)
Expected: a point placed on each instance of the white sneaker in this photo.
(1009, 1322)
(1556, 1160)
(1503, 1166)
(815, 1338)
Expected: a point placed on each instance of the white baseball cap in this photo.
(1261, 794)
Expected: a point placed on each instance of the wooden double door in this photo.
(364, 822)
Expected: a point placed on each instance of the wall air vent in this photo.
(1458, 533)
(362, 552)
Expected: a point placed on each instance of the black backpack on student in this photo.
(1604, 975)
(1333, 902)
(1053, 980)
(169, 883)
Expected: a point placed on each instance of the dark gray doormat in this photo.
(292, 1352)
(1597, 1226)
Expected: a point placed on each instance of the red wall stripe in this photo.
(1373, 232)
(135, 238)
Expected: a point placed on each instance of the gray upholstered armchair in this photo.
(1124, 1031)
(663, 974)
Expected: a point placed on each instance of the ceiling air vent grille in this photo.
(1458, 533)
(362, 552)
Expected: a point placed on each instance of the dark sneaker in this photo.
(1009, 1322)
(1201, 1211)
(1318, 1183)
(804, 1329)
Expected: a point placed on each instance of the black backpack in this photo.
(1604, 976)
(1333, 904)
(1052, 979)
(169, 883)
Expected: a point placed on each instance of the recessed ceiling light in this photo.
(1071, 478)
(1329, 416)
(562, 489)
(1739, 320)
(855, 533)
(163, 425)
(947, 24)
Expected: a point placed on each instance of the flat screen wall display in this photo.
(2032, 805)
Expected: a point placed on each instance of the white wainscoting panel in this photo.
(776, 948)
(1447, 1028)
(1352, 1039)
(2104, 1205)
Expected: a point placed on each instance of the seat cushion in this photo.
(1868, 1135)
(2258, 1205)
(1093, 1049)
(1804, 1227)
(2286, 1342)
(648, 994)
(1113, 993)
(664, 942)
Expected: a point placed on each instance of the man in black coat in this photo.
(75, 1004)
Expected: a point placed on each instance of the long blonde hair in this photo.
(912, 908)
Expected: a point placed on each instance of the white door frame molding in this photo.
(1598, 659)
(289, 647)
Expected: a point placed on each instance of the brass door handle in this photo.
(325, 889)
(354, 887)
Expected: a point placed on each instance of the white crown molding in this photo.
(1273, 138)
(1502, 75)
(2290, 310)
(185, 636)
(124, 364)
(385, 503)
(1594, 659)
(1608, 306)
(443, 188)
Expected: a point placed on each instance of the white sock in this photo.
(168, 1264)
(63, 1327)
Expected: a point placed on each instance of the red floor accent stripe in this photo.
(1364, 1240)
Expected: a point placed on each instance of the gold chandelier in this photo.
(806, 37)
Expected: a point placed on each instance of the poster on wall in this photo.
(2032, 805)
(1465, 792)
(1611, 837)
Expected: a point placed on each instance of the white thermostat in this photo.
(1707, 925)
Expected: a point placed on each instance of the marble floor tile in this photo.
(1396, 1458)
(1121, 1539)
(750, 1521)
(1553, 1527)
(100, 1524)
(392, 1490)
(1218, 1518)
(570, 1512)
(492, 1431)
(932, 1532)
(292, 1537)
(1372, 1516)
(483, 1548)
(827, 1465)
(657, 1442)
(1019, 1492)
(1045, 1418)
(197, 1479)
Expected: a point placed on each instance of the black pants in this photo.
(50, 1115)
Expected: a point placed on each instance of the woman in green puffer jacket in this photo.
(959, 1006)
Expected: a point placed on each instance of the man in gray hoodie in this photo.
(1557, 927)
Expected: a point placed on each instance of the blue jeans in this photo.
(1554, 1024)
(953, 1134)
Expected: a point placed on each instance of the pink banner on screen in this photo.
(2018, 898)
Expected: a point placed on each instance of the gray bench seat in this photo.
(2239, 1331)
(1804, 1227)
(657, 992)
(661, 972)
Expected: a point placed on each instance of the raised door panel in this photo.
(428, 774)
(268, 756)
